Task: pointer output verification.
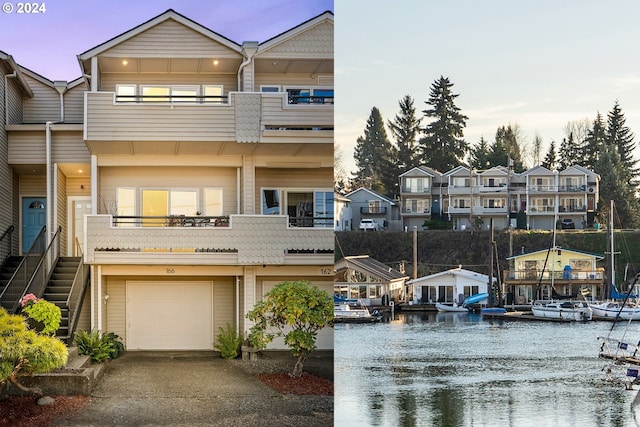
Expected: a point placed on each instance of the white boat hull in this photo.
(567, 310)
(445, 308)
(613, 310)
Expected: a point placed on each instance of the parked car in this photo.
(368, 225)
(568, 224)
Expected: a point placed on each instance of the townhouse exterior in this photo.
(535, 199)
(190, 173)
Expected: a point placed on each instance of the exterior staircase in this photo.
(6, 273)
(58, 289)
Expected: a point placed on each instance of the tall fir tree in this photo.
(613, 186)
(443, 146)
(374, 156)
(620, 136)
(508, 145)
(550, 161)
(405, 128)
(570, 153)
(594, 143)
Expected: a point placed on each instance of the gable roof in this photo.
(326, 16)
(372, 193)
(372, 266)
(538, 170)
(576, 251)
(457, 170)
(459, 271)
(11, 63)
(170, 14)
(421, 170)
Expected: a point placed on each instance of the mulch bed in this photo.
(305, 384)
(24, 411)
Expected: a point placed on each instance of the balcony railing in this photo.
(533, 275)
(172, 99)
(365, 210)
(245, 239)
(572, 188)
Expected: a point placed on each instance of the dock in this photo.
(523, 315)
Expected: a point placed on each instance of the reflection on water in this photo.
(455, 369)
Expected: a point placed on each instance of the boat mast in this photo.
(613, 270)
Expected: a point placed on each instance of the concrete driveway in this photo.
(192, 389)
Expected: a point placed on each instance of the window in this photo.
(213, 202)
(493, 203)
(155, 93)
(162, 203)
(461, 182)
(323, 211)
(416, 185)
(126, 93)
(416, 205)
(125, 205)
(308, 95)
(270, 202)
(184, 94)
(213, 94)
(270, 89)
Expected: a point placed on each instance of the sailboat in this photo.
(555, 309)
(623, 353)
(618, 306)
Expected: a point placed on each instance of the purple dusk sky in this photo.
(48, 42)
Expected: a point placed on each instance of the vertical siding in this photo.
(84, 321)
(223, 305)
(116, 306)
(5, 171)
(45, 104)
(61, 209)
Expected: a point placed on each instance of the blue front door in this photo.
(33, 219)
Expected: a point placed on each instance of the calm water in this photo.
(452, 369)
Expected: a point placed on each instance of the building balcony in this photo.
(414, 191)
(529, 277)
(572, 188)
(365, 210)
(238, 240)
(416, 212)
(113, 124)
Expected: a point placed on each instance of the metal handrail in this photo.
(76, 294)
(4, 256)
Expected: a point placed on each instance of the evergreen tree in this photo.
(570, 153)
(550, 161)
(594, 143)
(443, 146)
(479, 156)
(613, 186)
(405, 127)
(507, 145)
(621, 137)
(374, 156)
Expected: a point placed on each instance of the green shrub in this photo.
(44, 312)
(228, 342)
(98, 346)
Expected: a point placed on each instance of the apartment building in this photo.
(535, 199)
(188, 172)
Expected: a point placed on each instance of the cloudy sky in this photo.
(535, 64)
(538, 64)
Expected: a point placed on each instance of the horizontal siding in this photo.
(5, 171)
(274, 113)
(45, 104)
(15, 100)
(106, 121)
(109, 81)
(74, 104)
(174, 40)
(167, 178)
(30, 147)
(291, 178)
(33, 185)
(284, 80)
(62, 210)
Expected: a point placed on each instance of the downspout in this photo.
(61, 87)
(6, 97)
(237, 303)
(248, 50)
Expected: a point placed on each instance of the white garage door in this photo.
(169, 316)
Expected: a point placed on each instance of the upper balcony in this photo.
(238, 240)
(114, 123)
